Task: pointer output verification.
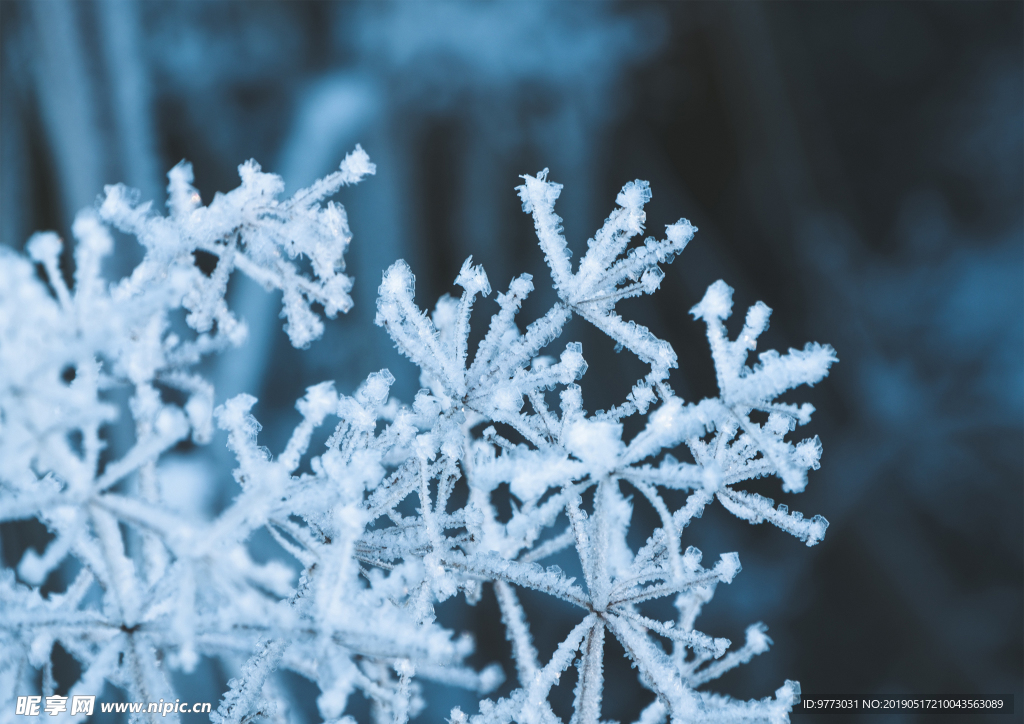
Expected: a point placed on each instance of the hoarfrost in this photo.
(359, 614)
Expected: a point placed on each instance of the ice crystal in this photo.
(370, 520)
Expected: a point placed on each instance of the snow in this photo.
(353, 606)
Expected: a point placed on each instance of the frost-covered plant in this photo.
(371, 519)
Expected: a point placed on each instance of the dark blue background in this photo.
(857, 166)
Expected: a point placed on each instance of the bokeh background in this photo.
(857, 166)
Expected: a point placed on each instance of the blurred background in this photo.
(856, 166)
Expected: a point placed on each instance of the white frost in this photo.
(370, 528)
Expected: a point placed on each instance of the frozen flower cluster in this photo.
(100, 380)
